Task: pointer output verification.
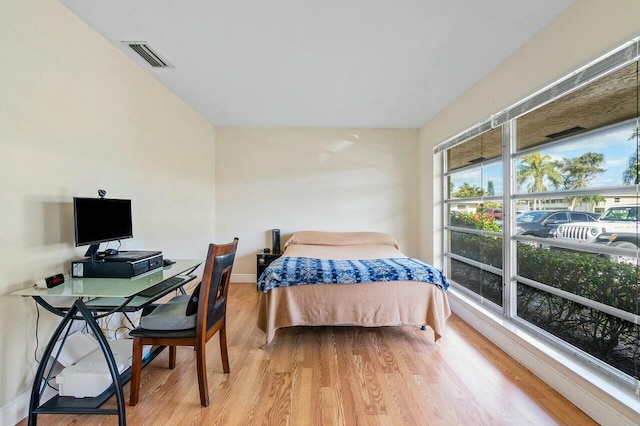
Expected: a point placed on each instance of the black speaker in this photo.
(275, 241)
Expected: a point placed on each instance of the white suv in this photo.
(617, 226)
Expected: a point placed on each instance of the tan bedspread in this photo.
(368, 304)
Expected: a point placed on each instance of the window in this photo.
(581, 217)
(475, 237)
(570, 157)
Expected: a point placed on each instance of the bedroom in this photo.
(80, 126)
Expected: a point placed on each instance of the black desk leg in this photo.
(78, 307)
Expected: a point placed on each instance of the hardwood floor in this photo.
(342, 376)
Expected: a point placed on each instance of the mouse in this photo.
(110, 252)
(167, 262)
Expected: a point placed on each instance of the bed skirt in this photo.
(376, 304)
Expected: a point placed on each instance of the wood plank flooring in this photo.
(342, 376)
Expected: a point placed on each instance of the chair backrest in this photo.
(211, 294)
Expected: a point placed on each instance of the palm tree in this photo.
(578, 172)
(536, 168)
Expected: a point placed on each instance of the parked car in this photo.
(614, 223)
(617, 227)
(544, 223)
(494, 213)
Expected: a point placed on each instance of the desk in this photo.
(105, 296)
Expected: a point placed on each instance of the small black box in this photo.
(116, 267)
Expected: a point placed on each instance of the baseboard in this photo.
(16, 410)
(243, 278)
(600, 397)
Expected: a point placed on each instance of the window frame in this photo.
(507, 121)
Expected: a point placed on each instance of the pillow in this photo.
(170, 316)
(341, 238)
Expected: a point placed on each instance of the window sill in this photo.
(600, 397)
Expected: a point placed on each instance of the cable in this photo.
(104, 326)
(112, 333)
(35, 351)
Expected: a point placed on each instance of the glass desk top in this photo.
(111, 287)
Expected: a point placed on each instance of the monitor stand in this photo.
(92, 251)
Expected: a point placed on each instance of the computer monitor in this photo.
(98, 220)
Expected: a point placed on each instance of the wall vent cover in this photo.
(150, 56)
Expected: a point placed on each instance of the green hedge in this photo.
(481, 248)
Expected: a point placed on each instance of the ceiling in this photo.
(323, 63)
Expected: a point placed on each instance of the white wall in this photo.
(77, 115)
(314, 179)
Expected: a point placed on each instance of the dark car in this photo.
(543, 223)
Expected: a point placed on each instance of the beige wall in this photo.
(585, 31)
(77, 115)
(314, 179)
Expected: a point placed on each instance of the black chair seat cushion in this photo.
(170, 316)
(169, 320)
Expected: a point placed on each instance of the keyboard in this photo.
(162, 287)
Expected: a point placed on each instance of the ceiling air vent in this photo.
(148, 54)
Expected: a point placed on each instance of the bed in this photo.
(350, 278)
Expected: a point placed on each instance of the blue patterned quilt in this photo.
(292, 271)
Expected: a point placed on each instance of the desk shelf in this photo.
(91, 405)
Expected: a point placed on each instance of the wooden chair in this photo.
(190, 321)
